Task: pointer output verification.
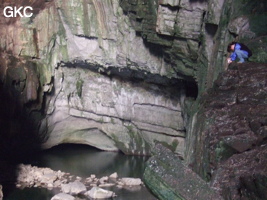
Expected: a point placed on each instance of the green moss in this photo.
(101, 120)
(79, 87)
(258, 24)
(121, 145)
(45, 73)
(136, 139)
(224, 20)
(243, 7)
(223, 151)
(174, 144)
(177, 31)
(202, 72)
(137, 143)
(60, 40)
(260, 57)
(258, 47)
(171, 146)
(158, 187)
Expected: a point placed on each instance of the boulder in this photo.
(99, 193)
(103, 180)
(31, 175)
(131, 181)
(62, 196)
(74, 188)
(114, 175)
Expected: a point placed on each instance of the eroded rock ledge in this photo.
(169, 178)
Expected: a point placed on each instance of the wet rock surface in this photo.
(230, 147)
(169, 178)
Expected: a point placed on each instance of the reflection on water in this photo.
(81, 160)
(84, 161)
(30, 193)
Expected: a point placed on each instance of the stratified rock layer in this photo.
(112, 114)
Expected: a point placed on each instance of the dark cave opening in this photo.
(191, 89)
(211, 29)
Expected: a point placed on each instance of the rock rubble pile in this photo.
(70, 186)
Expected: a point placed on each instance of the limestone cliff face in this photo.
(94, 81)
(194, 35)
(111, 114)
(120, 70)
(122, 74)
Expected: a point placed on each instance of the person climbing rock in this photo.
(238, 50)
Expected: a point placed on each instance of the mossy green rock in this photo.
(168, 178)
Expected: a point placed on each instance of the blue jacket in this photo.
(233, 55)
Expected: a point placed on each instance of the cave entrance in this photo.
(191, 89)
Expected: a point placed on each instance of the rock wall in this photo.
(156, 42)
(194, 35)
(230, 140)
(121, 75)
(239, 21)
(81, 74)
(111, 113)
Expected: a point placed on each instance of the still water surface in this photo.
(82, 160)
